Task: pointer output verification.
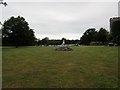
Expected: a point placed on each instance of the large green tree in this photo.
(16, 32)
(102, 36)
(88, 36)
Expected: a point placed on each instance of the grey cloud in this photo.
(58, 19)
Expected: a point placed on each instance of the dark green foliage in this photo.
(102, 35)
(72, 41)
(91, 36)
(16, 32)
(54, 42)
(88, 36)
(63, 39)
(45, 41)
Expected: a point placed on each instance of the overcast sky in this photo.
(62, 19)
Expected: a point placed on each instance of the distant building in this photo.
(112, 20)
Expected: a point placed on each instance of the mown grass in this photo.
(43, 67)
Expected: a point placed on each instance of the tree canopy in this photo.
(16, 32)
(88, 36)
(102, 35)
(91, 35)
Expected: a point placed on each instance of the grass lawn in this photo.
(43, 67)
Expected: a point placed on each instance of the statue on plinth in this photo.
(63, 43)
(63, 47)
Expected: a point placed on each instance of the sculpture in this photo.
(63, 43)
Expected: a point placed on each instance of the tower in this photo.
(112, 20)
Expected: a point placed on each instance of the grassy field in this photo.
(43, 67)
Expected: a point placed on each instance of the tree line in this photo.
(91, 36)
(16, 32)
(102, 37)
(46, 41)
